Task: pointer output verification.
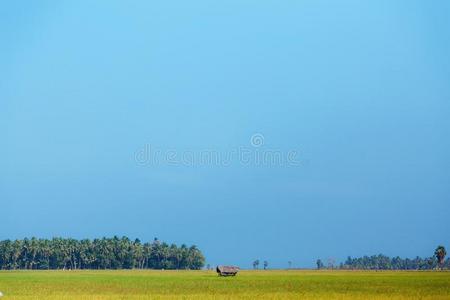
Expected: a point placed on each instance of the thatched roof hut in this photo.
(227, 270)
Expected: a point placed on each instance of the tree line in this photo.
(383, 262)
(104, 253)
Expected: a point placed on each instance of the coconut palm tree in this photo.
(256, 264)
(440, 254)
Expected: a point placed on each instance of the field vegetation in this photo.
(287, 284)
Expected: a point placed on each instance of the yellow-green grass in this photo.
(136, 284)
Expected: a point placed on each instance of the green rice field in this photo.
(289, 284)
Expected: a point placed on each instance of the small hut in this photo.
(227, 270)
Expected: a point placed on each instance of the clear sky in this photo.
(359, 90)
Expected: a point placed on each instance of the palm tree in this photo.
(266, 264)
(256, 264)
(440, 254)
(319, 264)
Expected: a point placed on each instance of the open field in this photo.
(207, 285)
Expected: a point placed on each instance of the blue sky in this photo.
(359, 89)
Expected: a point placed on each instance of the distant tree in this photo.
(319, 264)
(430, 262)
(331, 262)
(440, 254)
(208, 267)
(256, 264)
(266, 264)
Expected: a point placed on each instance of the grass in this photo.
(207, 285)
